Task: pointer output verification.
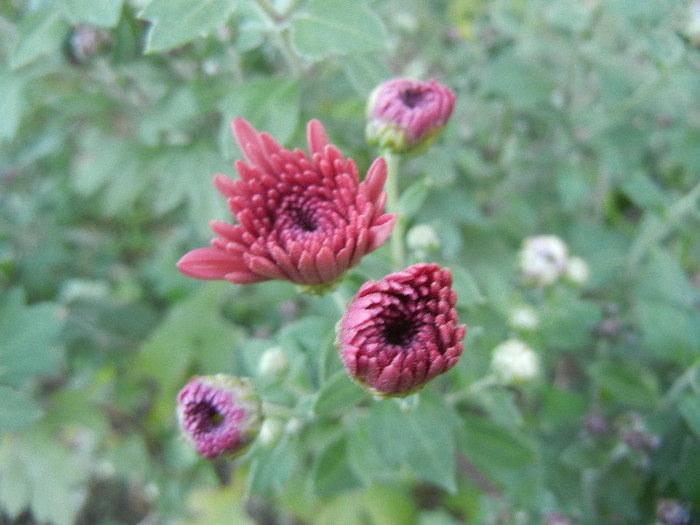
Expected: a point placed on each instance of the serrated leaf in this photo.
(16, 409)
(270, 105)
(40, 33)
(331, 472)
(177, 22)
(337, 393)
(330, 27)
(103, 13)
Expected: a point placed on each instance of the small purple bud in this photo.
(405, 114)
(672, 512)
(219, 414)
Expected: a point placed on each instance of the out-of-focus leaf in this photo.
(11, 87)
(492, 446)
(337, 393)
(270, 468)
(625, 384)
(16, 409)
(271, 105)
(328, 27)
(567, 320)
(27, 339)
(412, 199)
(177, 22)
(219, 505)
(689, 407)
(103, 13)
(40, 33)
(192, 338)
(331, 473)
(466, 287)
(365, 71)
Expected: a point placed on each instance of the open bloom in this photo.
(301, 219)
(403, 114)
(219, 414)
(402, 331)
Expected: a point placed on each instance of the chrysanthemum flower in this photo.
(219, 414)
(301, 219)
(405, 114)
(402, 331)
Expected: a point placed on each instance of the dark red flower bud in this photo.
(402, 331)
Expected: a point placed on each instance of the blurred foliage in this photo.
(574, 118)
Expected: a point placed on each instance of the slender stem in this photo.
(659, 228)
(393, 161)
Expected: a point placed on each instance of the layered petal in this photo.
(302, 218)
(402, 331)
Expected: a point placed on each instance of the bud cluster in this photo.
(544, 260)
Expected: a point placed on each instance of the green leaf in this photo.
(103, 13)
(13, 102)
(418, 436)
(193, 338)
(626, 383)
(330, 27)
(40, 33)
(272, 467)
(492, 445)
(338, 393)
(331, 473)
(365, 71)
(412, 199)
(177, 22)
(689, 407)
(466, 287)
(16, 409)
(271, 105)
(27, 338)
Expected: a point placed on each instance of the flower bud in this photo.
(405, 114)
(514, 362)
(422, 239)
(577, 271)
(219, 414)
(271, 431)
(691, 30)
(273, 364)
(543, 259)
(523, 318)
(672, 512)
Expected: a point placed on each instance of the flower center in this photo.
(412, 97)
(399, 330)
(300, 216)
(206, 416)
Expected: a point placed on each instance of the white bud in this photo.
(542, 259)
(273, 364)
(270, 431)
(514, 362)
(422, 238)
(577, 271)
(524, 317)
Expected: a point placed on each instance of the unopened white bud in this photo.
(577, 271)
(270, 431)
(273, 364)
(514, 362)
(542, 259)
(422, 238)
(524, 318)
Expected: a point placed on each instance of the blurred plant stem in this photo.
(393, 162)
(283, 34)
(655, 228)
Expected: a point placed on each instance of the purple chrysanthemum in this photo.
(301, 219)
(404, 114)
(402, 331)
(219, 414)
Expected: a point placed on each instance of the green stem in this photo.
(660, 227)
(393, 161)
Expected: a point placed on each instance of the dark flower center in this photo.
(412, 97)
(399, 330)
(302, 217)
(206, 416)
